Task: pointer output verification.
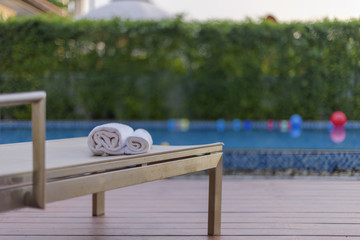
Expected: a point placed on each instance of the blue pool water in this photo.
(261, 139)
(314, 147)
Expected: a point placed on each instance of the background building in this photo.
(124, 9)
(9, 8)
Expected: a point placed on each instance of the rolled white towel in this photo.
(140, 141)
(109, 139)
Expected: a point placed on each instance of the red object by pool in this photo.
(270, 124)
(338, 135)
(338, 119)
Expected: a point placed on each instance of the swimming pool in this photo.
(314, 147)
(258, 138)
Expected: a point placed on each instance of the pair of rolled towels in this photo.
(118, 139)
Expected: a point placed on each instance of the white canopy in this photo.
(127, 9)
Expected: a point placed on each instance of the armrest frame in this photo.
(38, 118)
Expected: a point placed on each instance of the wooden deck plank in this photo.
(175, 238)
(177, 209)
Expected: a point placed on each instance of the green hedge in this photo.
(171, 69)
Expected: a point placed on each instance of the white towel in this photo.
(109, 139)
(138, 142)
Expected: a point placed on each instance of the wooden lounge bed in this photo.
(71, 170)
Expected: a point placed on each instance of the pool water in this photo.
(252, 139)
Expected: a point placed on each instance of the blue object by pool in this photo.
(295, 121)
(247, 125)
(220, 125)
(171, 124)
(236, 125)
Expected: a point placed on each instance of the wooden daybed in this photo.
(71, 170)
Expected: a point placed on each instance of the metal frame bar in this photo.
(101, 182)
(107, 165)
(38, 118)
(215, 192)
(96, 184)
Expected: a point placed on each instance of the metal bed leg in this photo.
(215, 191)
(38, 134)
(98, 203)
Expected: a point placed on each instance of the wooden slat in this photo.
(179, 237)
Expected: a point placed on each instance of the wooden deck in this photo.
(177, 209)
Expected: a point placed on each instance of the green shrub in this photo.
(171, 69)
